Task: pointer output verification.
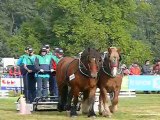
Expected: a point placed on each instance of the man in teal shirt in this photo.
(43, 65)
(58, 54)
(23, 71)
(30, 82)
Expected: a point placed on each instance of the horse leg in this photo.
(63, 93)
(100, 107)
(85, 106)
(105, 105)
(69, 100)
(91, 102)
(114, 106)
(74, 106)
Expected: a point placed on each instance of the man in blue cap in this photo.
(58, 54)
(28, 62)
(23, 71)
(43, 65)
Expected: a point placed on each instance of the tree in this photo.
(4, 48)
(78, 24)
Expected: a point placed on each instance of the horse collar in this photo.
(81, 66)
(103, 68)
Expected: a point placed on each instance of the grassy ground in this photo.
(142, 107)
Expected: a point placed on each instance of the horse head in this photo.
(91, 60)
(111, 61)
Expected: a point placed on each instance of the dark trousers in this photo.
(53, 86)
(42, 86)
(25, 85)
(31, 85)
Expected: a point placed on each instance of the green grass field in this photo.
(142, 107)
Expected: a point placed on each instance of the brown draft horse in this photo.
(109, 82)
(78, 75)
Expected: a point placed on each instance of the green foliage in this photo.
(76, 24)
(4, 49)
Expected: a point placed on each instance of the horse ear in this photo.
(118, 50)
(99, 49)
(109, 50)
(89, 49)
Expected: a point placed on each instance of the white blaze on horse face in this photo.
(114, 71)
(93, 68)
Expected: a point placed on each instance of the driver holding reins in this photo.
(43, 65)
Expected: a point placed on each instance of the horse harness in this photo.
(81, 67)
(104, 68)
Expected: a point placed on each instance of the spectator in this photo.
(14, 71)
(146, 68)
(156, 68)
(135, 69)
(125, 70)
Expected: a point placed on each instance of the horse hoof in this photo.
(109, 116)
(100, 113)
(84, 113)
(74, 116)
(111, 109)
(92, 115)
(105, 114)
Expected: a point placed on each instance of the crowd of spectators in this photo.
(15, 71)
(146, 69)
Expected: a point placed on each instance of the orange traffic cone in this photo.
(24, 109)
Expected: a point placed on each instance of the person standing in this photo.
(28, 62)
(43, 64)
(156, 68)
(125, 70)
(23, 70)
(135, 69)
(146, 68)
(57, 55)
(14, 71)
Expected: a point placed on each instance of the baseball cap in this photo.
(43, 49)
(26, 48)
(60, 51)
(30, 50)
(56, 49)
(47, 46)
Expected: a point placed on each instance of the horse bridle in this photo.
(81, 66)
(103, 67)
